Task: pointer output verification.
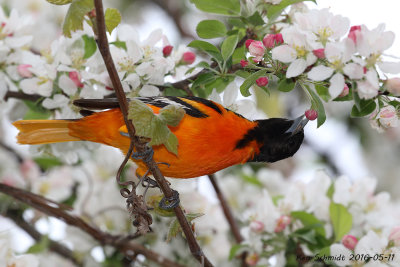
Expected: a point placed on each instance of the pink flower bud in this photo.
(167, 50)
(319, 53)
(248, 42)
(109, 88)
(393, 86)
(244, 63)
(262, 81)
(311, 114)
(349, 241)
(395, 236)
(354, 32)
(188, 58)
(282, 222)
(76, 78)
(272, 40)
(257, 49)
(387, 113)
(252, 259)
(24, 70)
(388, 117)
(257, 226)
(345, 91)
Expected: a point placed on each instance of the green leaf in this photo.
(41, 246)
(239, 54)
(235, 250)
(46, 163)
(286, 85)
(366, 107)
(307, 235)
(36, 111)
(219, 84)
(330, 191)
(207, 48)
(251, 180)
(112, 18)
(223, 7)
(356, 98)
(119, 44)
(341, 220)
(237, 22)
(316, 103)
(75, 16)
(275, 10)
(172, 143)
(172, 115)
(203, 79)
(209, 29)
(59, 2)
(154, 126)
(323, 92)
(90, 46)
(175, 227)
(256, 19)
(307, 219)
(228, 46)
(244, 88)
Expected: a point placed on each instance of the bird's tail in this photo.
(35, 132)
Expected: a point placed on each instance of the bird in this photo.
(210, 136)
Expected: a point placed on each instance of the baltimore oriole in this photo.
(210, 136)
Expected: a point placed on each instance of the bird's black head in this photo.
(280, 138)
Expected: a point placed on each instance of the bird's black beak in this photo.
(297, 126)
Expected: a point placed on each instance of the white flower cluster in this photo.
(274, 218)
(317, 38)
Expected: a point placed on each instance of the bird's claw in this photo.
(145, 156)
(173, 201)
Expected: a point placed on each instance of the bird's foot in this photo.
(146, 156)
(170, 202)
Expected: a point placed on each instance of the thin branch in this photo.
(226, 209)
(141, 147)
(22, 96)
(60, 249)
(228, 215)
(50, 208)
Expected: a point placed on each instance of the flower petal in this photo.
(337, 85)
(296, 68)
(390, 67)
(354, 71)
(320, 73)
(284, 53)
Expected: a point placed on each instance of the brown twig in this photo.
(22, 96)
(60, 249)
(140, 147)
(228, 215)
(50, 208)
(226, 209)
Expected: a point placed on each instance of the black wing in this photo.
(160, 101)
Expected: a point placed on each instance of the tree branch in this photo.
(141, 147)
(16, 217)
(226, 209)
(228, 215)
(50, 208)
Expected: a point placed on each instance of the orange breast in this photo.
(206, 145)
